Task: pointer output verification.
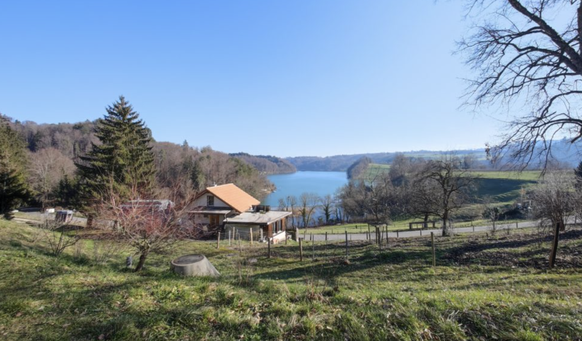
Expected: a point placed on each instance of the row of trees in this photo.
(412, 188)
(310, 209)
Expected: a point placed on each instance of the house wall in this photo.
(243, 231)
(202, 201)
(204, 219)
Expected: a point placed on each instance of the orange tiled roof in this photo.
(233, 196)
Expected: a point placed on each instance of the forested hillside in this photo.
(266, 163)
(53, 149)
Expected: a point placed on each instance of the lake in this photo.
(320, 183)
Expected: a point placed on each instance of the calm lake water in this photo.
(320, 183)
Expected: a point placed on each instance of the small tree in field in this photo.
(149, 226)
(57, 236)
(554, 201)
(449, 189)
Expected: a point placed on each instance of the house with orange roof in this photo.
(229, 209)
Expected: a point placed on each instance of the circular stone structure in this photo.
(194, 265)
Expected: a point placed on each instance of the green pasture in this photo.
(482, 288)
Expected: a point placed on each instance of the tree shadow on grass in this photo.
(518, 251)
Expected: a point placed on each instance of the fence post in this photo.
(313, 249)
(218, 241)
(368, 231)
(433, 249)
(347, 245)
(229, 236)
(268, 247)
(326, 236)
(397, 234)
(554, 246)
(251, 235)
(300, 250)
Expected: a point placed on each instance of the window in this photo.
(210, 200)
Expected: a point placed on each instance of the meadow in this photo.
(483, 287)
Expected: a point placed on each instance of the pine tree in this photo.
(123, 164)
(13, 188)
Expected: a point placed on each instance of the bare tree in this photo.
(526, 53)
(381, 199)
(447, 188)
(553, 202)
(308, 205)
(47, 167)
(491, 212)
(327, 203)
(59, 235)
(290, 204)
(149, 225)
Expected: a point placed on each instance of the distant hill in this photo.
(563, 152)
(358, 168)
(267, 164)
(341, 163)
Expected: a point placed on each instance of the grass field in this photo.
(483, 288)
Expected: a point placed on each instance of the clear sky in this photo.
(285, 78)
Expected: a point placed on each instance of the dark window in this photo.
(210, 200)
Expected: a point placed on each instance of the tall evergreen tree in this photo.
(123, 164)
(13, 188)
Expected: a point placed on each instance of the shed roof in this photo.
(258, 217)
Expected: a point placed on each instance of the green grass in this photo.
(483, 288)
(374, 170)
(504, 187)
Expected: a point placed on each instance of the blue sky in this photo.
(285, 78)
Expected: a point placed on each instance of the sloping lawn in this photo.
(483, 288)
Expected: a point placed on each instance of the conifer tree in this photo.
(123, 164)
(13, 188)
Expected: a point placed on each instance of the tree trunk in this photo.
(555, 244)
(89, 223)
(446, 231)
(142, 259)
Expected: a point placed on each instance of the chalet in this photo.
(230, 209)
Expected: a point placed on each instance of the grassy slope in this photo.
(504, 187)
(482, 289)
